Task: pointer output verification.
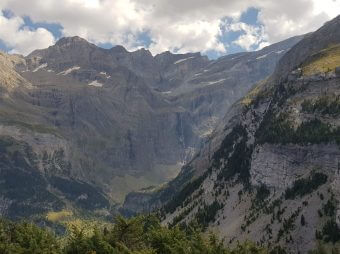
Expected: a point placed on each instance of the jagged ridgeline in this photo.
(82, 126)
(271, 170)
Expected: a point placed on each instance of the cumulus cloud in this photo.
(23, 40)
(252, 35)
(177, 25)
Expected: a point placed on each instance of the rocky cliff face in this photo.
(82, 126)
(270, 171)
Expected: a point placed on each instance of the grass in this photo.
(258, 93)
(248, 99)
(59, 216)
(324, 61)
(71, 220)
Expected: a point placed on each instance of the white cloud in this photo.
(292, 17)
(191, 36)
(177, 25)
(252, 35)
(23, 40)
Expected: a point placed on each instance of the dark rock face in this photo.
(272, 159)
(109, 121)
(337, 71)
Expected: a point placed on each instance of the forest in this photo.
(137, 235)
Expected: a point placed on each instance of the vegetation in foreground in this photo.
(138, 235)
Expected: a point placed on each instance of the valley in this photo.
(199, 155)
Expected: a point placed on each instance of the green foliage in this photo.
(187, 190)
(207, 213)
(329, 208)
(275, 130)
(138, 235)
(288, 224)
(331, 232)
(303, 220)
(319, 250)
(79, 243)
(128, 232)
(279, 130)
(22, 238)
(303, 186)
(329, 105)
(236, 154)
(262, 193)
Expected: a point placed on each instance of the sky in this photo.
(213, 27)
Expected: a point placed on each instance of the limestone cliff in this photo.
(270, 171)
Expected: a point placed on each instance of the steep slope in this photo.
(115, 125)
(81, 126)
(208, 92)
(270, 171)
(207, 95)
(35, 171)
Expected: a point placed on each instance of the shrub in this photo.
(302, 187)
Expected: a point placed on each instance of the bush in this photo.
(324, 105)
(302, 187)
(279, 130)
(331, 232)
(26, 238)
(208, 213)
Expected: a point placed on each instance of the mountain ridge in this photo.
(270, 169)
(93, 126)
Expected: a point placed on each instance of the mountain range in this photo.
(82, 126)
(246, 145)
(270, 171)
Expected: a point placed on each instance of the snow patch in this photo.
(182, 60)
(280, 51)
(261, 57)
(40, 67)
(215, 82)
(68, 71)
(50, 70)
(264, 56)
(95, 84)
(105, 74)
(167, 92)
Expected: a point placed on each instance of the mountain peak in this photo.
(118, 49)
(71, 40)
(324, 37)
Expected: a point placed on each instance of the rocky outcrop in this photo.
(278, 166)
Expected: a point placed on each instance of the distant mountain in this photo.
(270, 171)
(81, 126)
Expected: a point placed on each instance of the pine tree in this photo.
(303, 221)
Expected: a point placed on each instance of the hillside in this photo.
(270, 171)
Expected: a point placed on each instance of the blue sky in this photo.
(213, 27)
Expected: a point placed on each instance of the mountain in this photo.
(270, 171)
(81, 126)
